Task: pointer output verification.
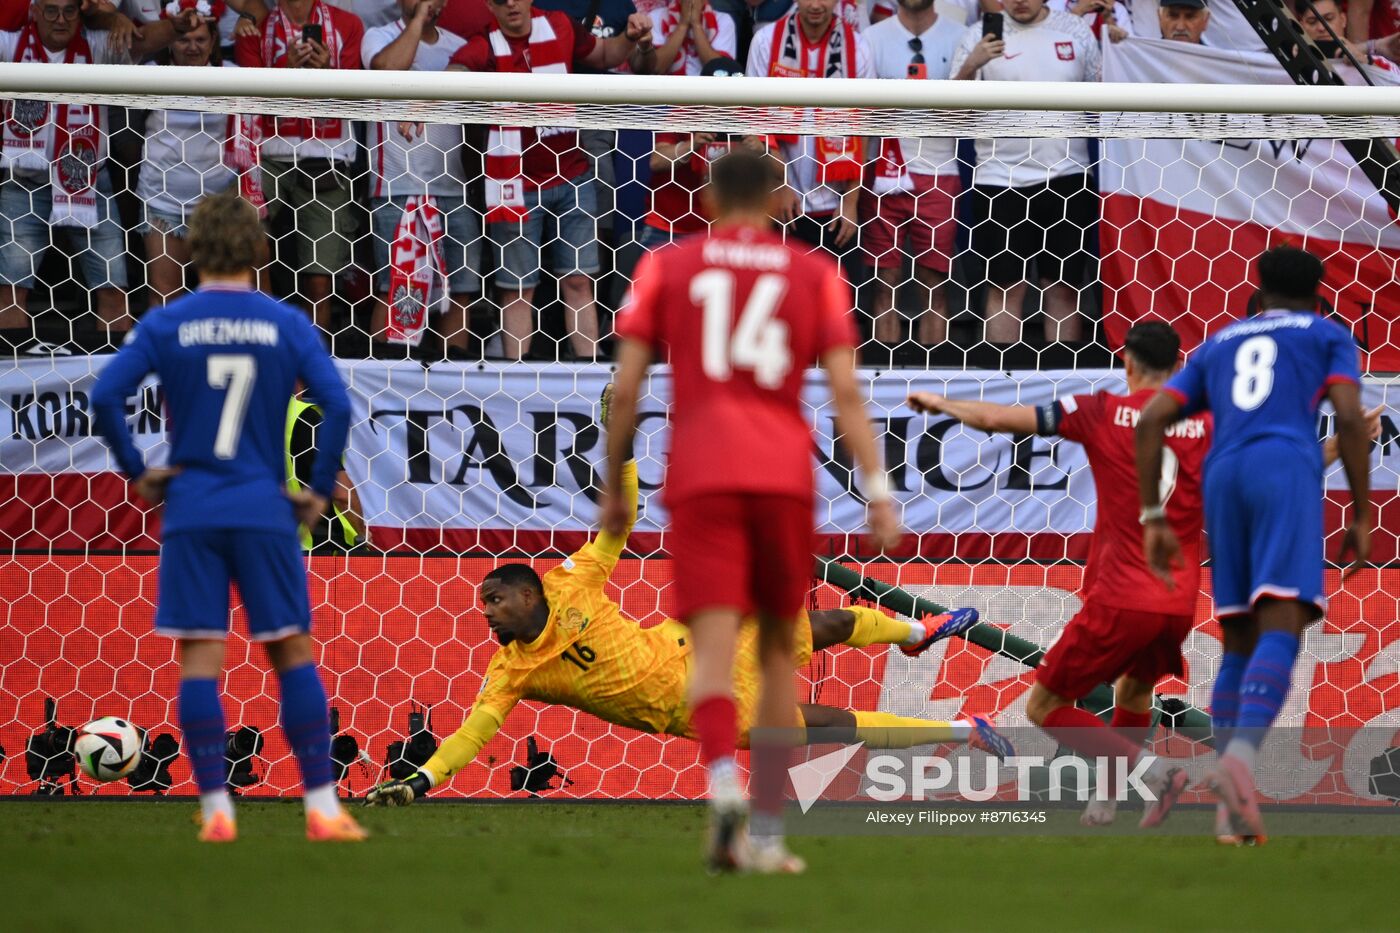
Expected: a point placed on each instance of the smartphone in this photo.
(992, 25)
(313, 32)
(1330, 48)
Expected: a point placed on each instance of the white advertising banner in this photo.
(518, 446)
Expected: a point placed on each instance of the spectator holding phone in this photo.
(909, 205)
(306, 162)
(1033, 201)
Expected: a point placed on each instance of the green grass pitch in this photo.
(554, 866)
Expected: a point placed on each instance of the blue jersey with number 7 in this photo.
(229, 359)
(1264, 378)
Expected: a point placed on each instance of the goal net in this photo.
(463, 456)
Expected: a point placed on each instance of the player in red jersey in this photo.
(742, 316)
(1131, 626)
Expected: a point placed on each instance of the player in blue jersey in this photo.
(1263, 378)
(229, 358)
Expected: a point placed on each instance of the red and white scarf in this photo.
(417, 273)
(278, 32)
(69, 145)
(671, 20)
(505, 152)
(891, 171)
(242, 154)
(838, 157)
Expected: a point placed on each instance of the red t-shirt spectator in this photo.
(551, 155)
(742, 316)
(13, 15)
(676, 205)
(466, 18)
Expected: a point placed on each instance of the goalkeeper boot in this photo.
(1234, 786)
(940, 627)
(218, 828)
(339, 828)
(1173, 784)
(989, 740)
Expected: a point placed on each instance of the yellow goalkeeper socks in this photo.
(873, 627)
(886, 730)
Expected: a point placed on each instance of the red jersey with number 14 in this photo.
(741, 316)
(1116, 573)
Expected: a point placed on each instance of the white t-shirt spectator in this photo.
(430, 164)
(371, 12)
(801, 159)
(969, 10)
(184, 159)
(890, 55)
(35, 161)
(724, 40)
(1058, 48)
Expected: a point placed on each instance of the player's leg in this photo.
(1285, 559)
(1097, 645)
(271, 576)
(887, 730)
(710, 549)
(861, 626)
(193, 607)
(776, 723)
(1239, 634)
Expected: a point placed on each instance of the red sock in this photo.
(770, 767)
(1132, 726)
(716, 728)
(1086, 733)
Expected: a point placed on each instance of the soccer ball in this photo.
(108, 748)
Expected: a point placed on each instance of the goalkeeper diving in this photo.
(564, 641)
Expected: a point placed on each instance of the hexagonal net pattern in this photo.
(994, 255)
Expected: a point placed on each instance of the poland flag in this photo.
(1184, 219)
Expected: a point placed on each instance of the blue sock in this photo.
(306, 721)
(1225, 697)
(1265, 685)
(202, 722)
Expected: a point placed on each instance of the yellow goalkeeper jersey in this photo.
(589, 656)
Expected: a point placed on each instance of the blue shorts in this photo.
(1264, 517)
(196, 568)
(24, 210)
(560, 233)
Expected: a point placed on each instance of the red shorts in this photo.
(1100, 643)
(748, 551)
(922, 221)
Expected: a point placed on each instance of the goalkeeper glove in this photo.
(399, 793)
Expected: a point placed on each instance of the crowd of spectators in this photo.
(449, 241)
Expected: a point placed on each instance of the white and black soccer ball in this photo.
(108, 749)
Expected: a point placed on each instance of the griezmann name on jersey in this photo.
(1116, 573)
(741, 316)
(229, 359)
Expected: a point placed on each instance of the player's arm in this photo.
(452, 756)
(1354, 448)
(1159, 543)
(327, 390)
(633, 358)
(115, 384)
(853, 427)
(984, 416)
(1330, 448)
